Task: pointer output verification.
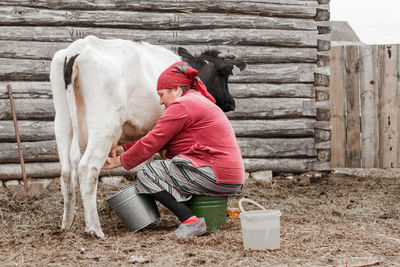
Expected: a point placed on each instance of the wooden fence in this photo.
(278, 122)
(364, 91)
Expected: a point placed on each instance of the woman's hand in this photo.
(116, 151)
(112, 163)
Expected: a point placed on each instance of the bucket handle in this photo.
(250, 201)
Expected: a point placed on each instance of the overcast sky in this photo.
(374, 21)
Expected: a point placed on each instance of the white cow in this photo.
(111, 96)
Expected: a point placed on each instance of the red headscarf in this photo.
(181, 74)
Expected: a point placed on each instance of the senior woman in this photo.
(203, 157)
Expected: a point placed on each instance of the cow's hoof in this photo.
(94, 233)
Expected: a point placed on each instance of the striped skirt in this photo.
(181, 179)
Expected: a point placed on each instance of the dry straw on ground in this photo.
(331, 220)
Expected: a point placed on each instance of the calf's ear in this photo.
(184, 53)
(238, 66)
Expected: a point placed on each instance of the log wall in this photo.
(282, 119)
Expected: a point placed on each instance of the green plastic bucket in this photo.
(212, 208)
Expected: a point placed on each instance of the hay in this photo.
(332, 220)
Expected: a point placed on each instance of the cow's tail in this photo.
(72, 88)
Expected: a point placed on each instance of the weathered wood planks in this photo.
(273, 8)
(28, 109)
(270, 108)
(31, 89)
(38, 70)
(353, 125)
(10, 15)
(389, 112)
(249, 54)
(29, 130)
(266, 37)
(246, 108)
(46, 151)
(369, 109)
(337, 90)
(369, 106)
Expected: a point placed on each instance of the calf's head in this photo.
(214, 71)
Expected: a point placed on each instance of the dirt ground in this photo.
(327, 220)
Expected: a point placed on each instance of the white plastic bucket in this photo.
(260, 228)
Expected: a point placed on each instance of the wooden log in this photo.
(28, 109)
(322, 76)
(24, 69)
(50, 170)
(276, 73)
(277, 147)
(274, 128)
(46, 151)
(281, 8)
(262, 37)
(53, 169)
(44, 130)
(323, 125)
(26, 90)
(323, 145)
(389, 113)
(321, 93)
(322, 135)
(324, 155)
(279, 165)
(273, 108)
(245, 90)
(24, 16)
(338, 153)
(246, 108)
(323, 58)
(27, 69)
(28, 130)
(43, 151)
(31, 89)
(353, 126)
(318, 166)
(369, 106)
(249, 54)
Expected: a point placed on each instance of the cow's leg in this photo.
(88, 173)
(68, 181)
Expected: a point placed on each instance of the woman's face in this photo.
(169, 95)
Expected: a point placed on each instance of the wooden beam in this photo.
(284, 165)
(338, 152)
(262, 37)
(353, 126)
(29, 130)
(369, 106)
(32, 89)
(24, 16)
(50, 170)
(249, 54)
(43, 151)
(274, 128)
(46, 151)
(389, 113)
(288, 90)
(273, 108)
(27, 89)
(277, 147)
(38, 70)
(28, 109)
(270, 8)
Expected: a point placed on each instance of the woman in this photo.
(203, 157)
